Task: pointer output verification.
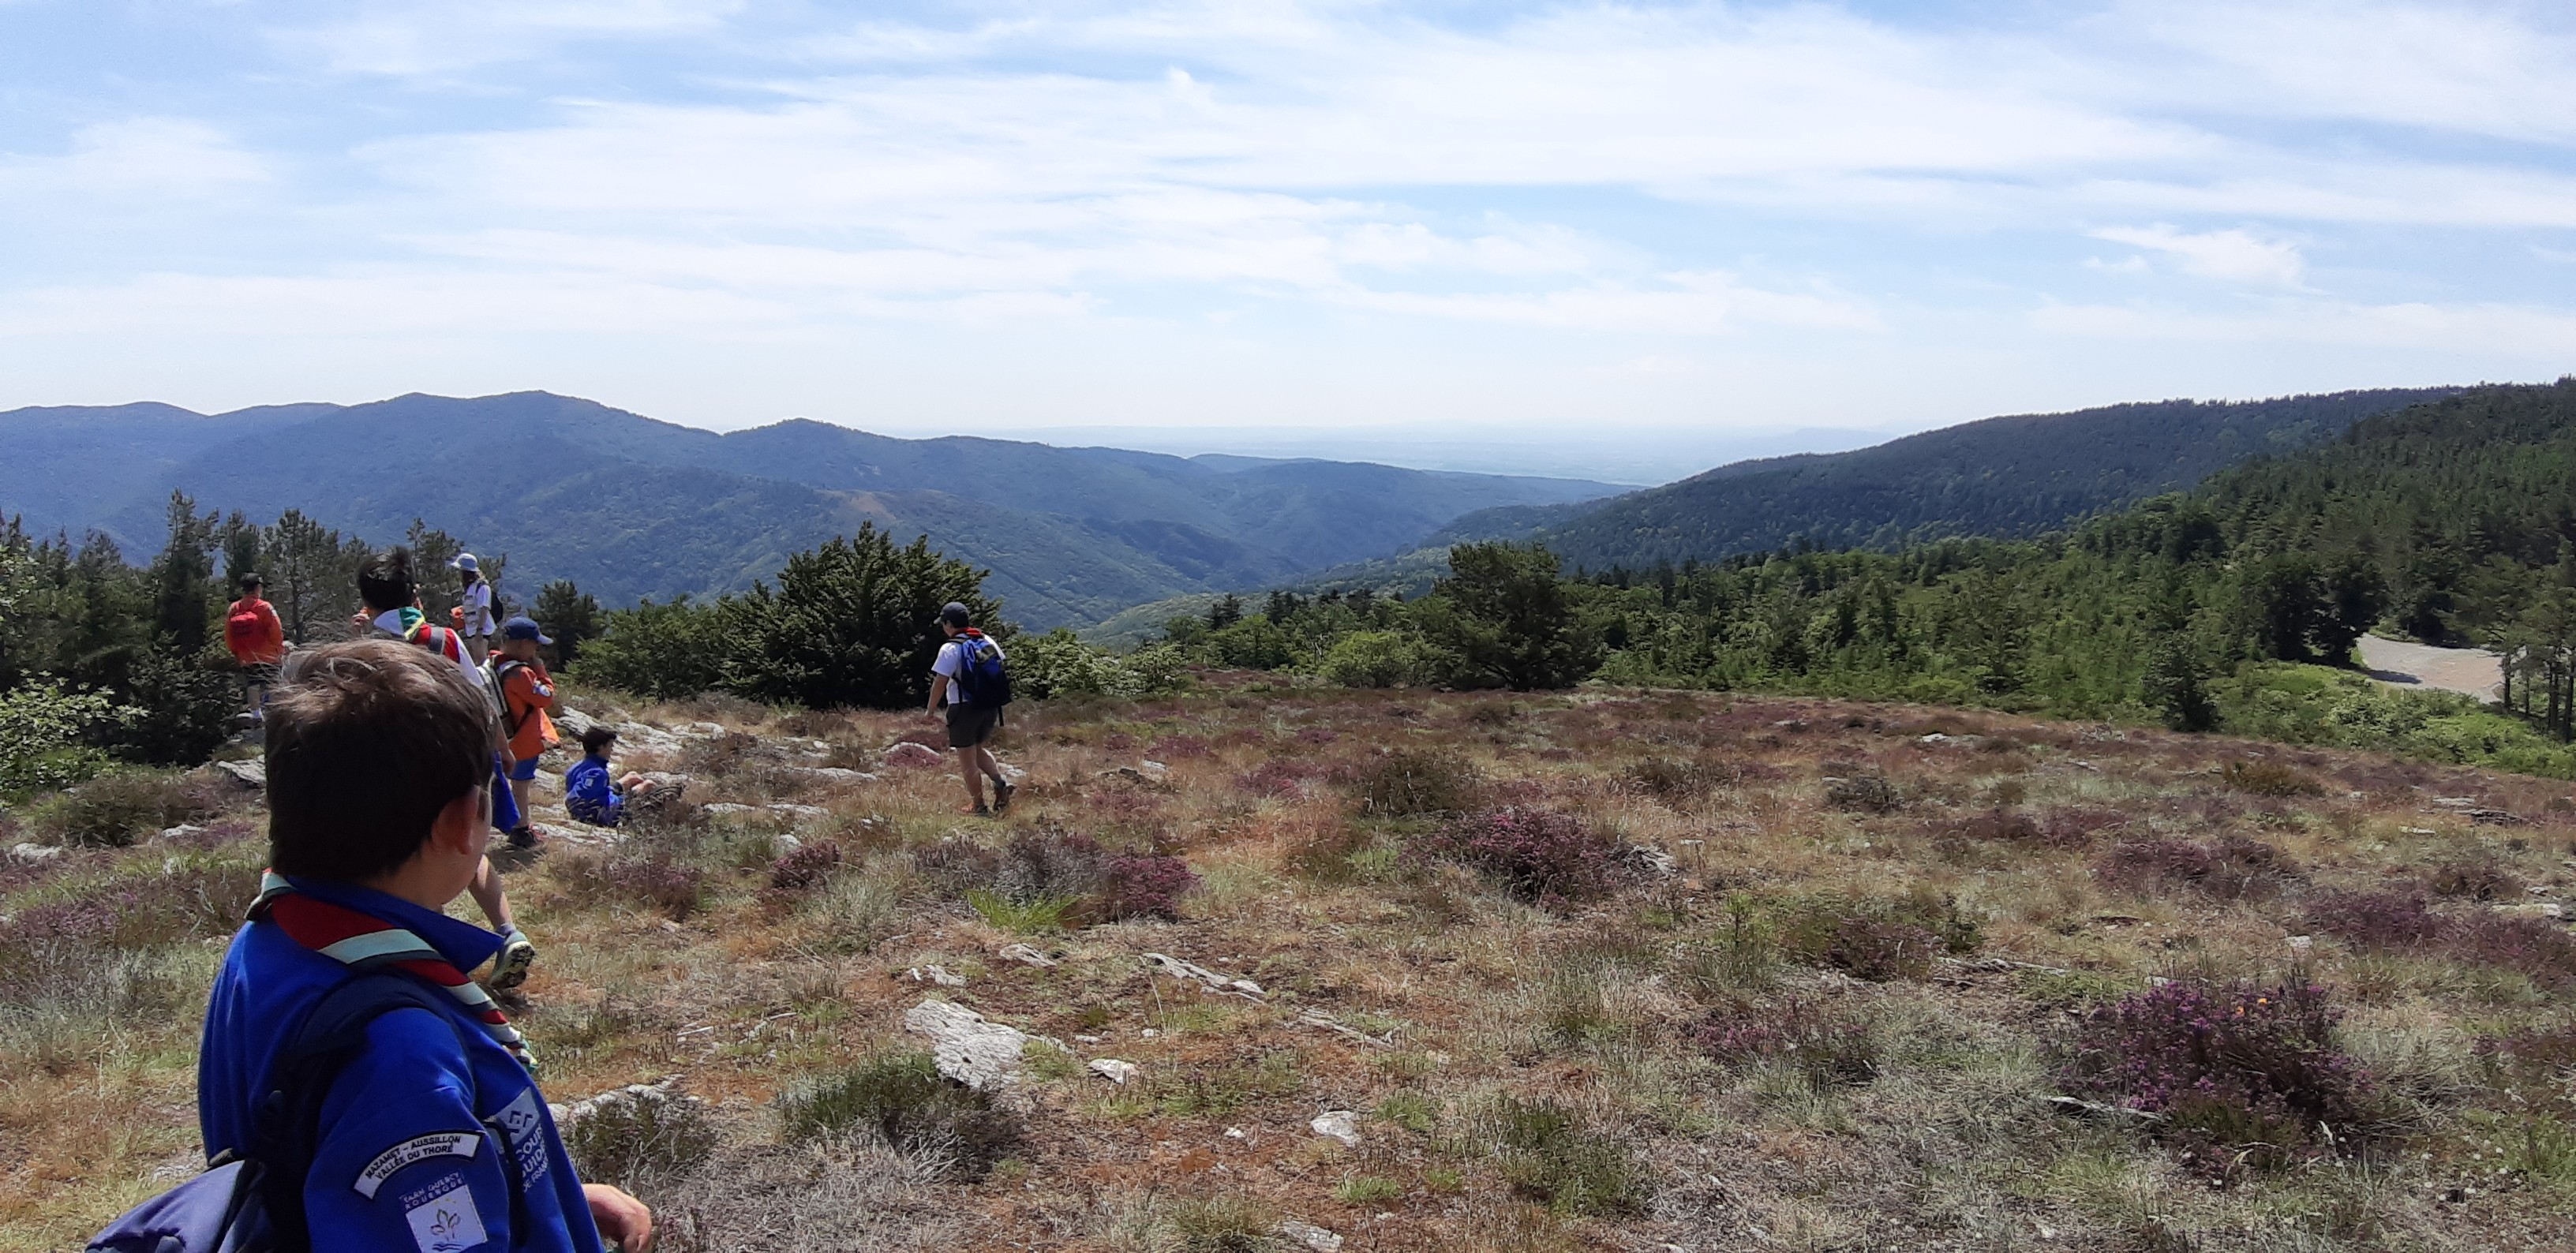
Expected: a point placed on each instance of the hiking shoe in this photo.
(1002, 796)
(511, 968)
(523, 838)
(980, 811)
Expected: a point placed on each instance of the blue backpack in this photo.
(981, 680)
(255, 1204)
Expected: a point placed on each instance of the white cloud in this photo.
(2232, 256)
(432, 37)
(2534, 337)
(136, 159)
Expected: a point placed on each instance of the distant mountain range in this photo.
(628, 506)
(2008, 476)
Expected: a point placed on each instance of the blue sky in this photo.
(1542, 227)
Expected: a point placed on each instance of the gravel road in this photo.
(2398, 663)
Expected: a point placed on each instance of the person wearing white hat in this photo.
(474, 607)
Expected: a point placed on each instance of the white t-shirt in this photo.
(477, 603)
(951, 658)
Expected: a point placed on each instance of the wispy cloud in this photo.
(1585, 183)
(2232, 256)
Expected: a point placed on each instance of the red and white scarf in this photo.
(364, 942)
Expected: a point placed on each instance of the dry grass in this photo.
(1629, 1072)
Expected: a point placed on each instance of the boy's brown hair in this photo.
(367, 742)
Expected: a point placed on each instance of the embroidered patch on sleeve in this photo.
(447, 1222)
(415, 1149)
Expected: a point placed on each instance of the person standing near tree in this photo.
(968, 675)
(474, 607)
(257, 641)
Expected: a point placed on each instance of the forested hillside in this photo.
(2451, 521)
(2011, 476)
(629, 507)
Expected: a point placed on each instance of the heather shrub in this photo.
(2477, 876)
(2536, 947)
(806, 867)
(2269, 778)
(1869, 947)
(2237, 1072)
(2069, 826)
(2530, 1065)
(1406, 782)
(1861, 793)
(2236, 867)
(1147, 887)
(903, 1098)
(1279, 776)
(115, 810)
(1049, 862)
(1666, 779)
(653, 881)
(649, 1137)
(1823, 1043)
(2375, 920)
(1548, 859)
(1880, 940)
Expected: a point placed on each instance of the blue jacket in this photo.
(591, 796)
(434, 1138)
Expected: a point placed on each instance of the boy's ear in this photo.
(460, 825)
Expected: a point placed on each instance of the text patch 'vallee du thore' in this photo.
(416, 1149)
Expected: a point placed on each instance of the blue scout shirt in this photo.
(434, 1138)
(591, 796)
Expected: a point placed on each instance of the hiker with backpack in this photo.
(391, 594)
(355, 1089)
(969, 675)
(474, 607)
(257, 640)
(527, 692)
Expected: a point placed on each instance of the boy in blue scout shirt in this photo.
(434, 1136)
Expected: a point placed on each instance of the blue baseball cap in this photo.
(524, 628)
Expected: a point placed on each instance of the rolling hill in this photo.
(628, 506)
(2008, 476)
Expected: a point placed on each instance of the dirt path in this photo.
(2398, 663)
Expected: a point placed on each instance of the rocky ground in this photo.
(1272, 968)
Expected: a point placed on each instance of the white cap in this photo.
(465, 561)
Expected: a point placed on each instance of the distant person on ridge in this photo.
(592, 793)
(257, 640)
(474, 607)
(527, 693)
(391, 594)
(968, 673)
(344, 1045)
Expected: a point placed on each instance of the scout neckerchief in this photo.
(363, 942)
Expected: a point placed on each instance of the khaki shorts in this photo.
(970, 725)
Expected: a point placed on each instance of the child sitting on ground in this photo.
(590, 795)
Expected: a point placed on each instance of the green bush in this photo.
(1057, 664)
(1380, 659)
(903, 1097)
(41, 737)
(669, 650)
